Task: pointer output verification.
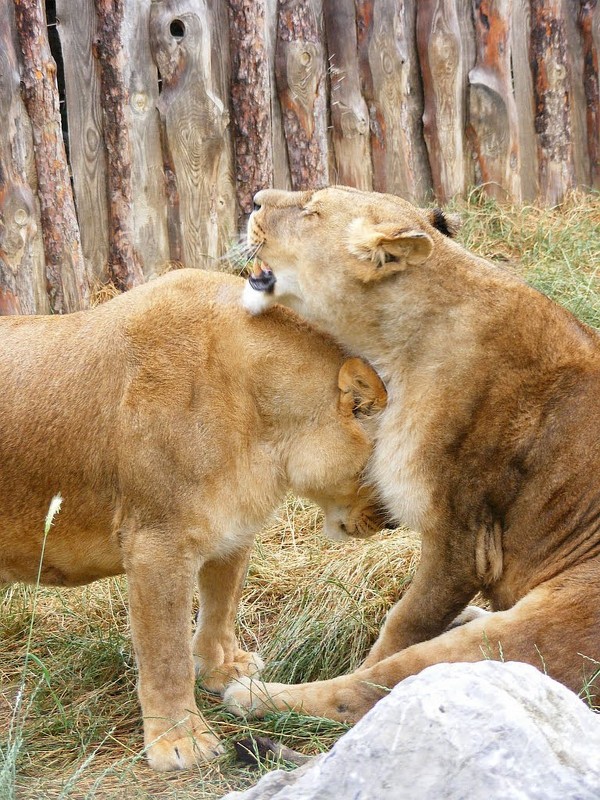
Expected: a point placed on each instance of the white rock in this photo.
(484, 731)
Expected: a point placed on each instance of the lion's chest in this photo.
(397, 466)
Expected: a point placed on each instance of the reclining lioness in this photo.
(173, 423)
(489, 445)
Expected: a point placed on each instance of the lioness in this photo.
(489, 445)
(173, 423)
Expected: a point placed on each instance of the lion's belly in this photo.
(76, 550)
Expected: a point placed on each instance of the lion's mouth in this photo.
(262, 279)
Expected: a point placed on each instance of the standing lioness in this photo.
(489, 446)
(172, 423)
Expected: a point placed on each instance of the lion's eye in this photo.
(309, 212)
(387, 257)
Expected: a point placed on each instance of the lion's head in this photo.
(337, 244)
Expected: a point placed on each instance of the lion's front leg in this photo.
(218, 657)
(445, 581)
(161, 581)
(344, 699)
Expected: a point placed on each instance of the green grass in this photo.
(557, 250)
(311, 607)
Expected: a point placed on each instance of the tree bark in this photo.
(549, 65)
(66, 273)
(250, 100)
(589, 24)
(194, 123)
(300, 74)
(124, 268)
(349, 112)
(441, 57)
(17, 290)
(18, 226)
(492, 124)
(391, 84)
(523, 88)
(76, 25)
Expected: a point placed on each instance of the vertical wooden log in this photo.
(349, 112)
(492, 125)
(589, 24)
(391, 84)
(67, 278)
(577, 97)
(441, 56)
(549, 65)
(76, 24)
(21, 267)
(250, 100)
(149, 216)
(16, 210)
(227, 205)
(466, 26)
(524, 101)
(300, 74)
(194, 122)
(124, 268)
(77, 27)
(281, 167)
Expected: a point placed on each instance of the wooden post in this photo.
(492, 125)
(391, 84)
(300, 74)
(349, 112)
(577, 99)
(124, 268)
(281, 166)
(525, 105)
(193, 127)
(67, 278)
(149, 214)
(440, 56)
(21, 256)
(549, 64)
(589, 24)
(76, 25)
(250, 100)
(17, 289)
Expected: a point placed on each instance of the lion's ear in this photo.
(362, 392)
(448, 224)
(385, 248)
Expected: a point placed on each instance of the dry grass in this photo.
(311, 607)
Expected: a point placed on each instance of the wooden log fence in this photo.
(174, 112)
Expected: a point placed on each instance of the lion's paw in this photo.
(247, 696)
(468, 614)
(216, 678)
(177, 749)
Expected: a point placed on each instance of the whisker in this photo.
(241, 253)
(252, 250)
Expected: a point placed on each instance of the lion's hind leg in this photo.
(556, 627)
(217, 655)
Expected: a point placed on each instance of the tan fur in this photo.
(172, 423)
(489, 446)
